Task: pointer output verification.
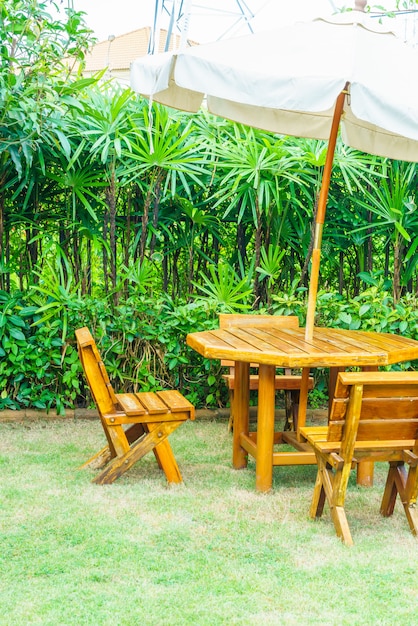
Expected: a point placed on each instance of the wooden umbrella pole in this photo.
(320, 216)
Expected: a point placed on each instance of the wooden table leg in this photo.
(241, 413)
(365, 471)
(265, 428)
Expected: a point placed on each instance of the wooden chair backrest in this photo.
(388, 406)
(95, 372)
(226, 320)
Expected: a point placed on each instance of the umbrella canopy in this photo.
(307, 80)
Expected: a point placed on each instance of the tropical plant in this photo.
(225, 290)
(36, 87)
(257, 168)
(394, 204)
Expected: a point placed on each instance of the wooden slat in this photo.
(379, 378)
(152, 403)
(334, 342)
(338, 409)
(284, 382)
(348, 342)
(335, 430)
(130, 404)
(387, 429)
(176, 402)
(388, 392)
(248, 444)
(294, 458)
(245, 339)
(271, 339)
(341, 390)
(226, 320)
(314, 431)
(382, 408)
(367, 444)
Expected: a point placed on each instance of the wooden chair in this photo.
(373, 417)
(133, 424)
(287, 382)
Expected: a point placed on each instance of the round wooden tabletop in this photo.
(287, 347)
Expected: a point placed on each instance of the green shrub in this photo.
(143, 343)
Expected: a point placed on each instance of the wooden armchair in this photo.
(374, 417)
(133, 424)
(288, 382)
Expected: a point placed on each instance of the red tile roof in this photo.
(118, 54)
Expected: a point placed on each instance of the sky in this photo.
(116, 17)
(210, 19)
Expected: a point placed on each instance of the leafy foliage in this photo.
(143, 223)
(143, 342)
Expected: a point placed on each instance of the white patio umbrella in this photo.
(306, 80)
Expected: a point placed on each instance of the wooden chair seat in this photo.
(287, 381)
(373, 417)
(134, 423)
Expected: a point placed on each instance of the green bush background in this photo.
(143, 343)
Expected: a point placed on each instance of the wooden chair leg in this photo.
(339, 489)
(291, 408)
(409, 499)
(398, 481)
(391, 491)
(120, 464)
(99, 460)
(341, 525)
(134, 432)
(103, 456)
(327, 486)
(318, 498)
(165, 459)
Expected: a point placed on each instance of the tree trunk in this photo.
(175, 281)
(111, 203)
(369, 244)
(155, 180)
(165, 266)
(86, 271)
(242, 241)
(156, 210)
(2, 243)
(387, 259)
(204, 246)
(127, 229)
(397, 253)
(105, 255)
(341, 274)
(190, 262)
(258, 244)
(304, 274)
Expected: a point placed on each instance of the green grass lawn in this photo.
(211, 551)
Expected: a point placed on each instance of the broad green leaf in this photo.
(17, 334)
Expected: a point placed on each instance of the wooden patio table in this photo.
(331, 348)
